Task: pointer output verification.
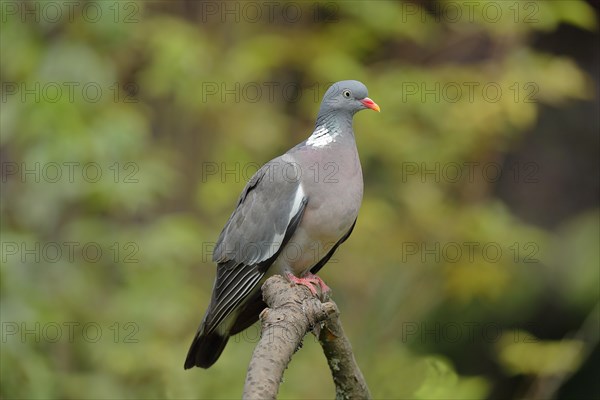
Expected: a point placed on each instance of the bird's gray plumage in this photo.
(290, 218)
(250, 240)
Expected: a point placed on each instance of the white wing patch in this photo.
(277, 239)
(320, 137)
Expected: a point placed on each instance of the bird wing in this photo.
(268, 212)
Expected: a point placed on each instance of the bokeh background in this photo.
(129, 129)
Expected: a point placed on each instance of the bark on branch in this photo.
(293, 311)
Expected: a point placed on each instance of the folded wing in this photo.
(267, 214)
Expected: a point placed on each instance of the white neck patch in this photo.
(320, 137)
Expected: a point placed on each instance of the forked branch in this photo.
(292, 312)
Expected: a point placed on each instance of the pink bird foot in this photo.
(310, 281)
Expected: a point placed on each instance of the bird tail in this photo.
(206, 349)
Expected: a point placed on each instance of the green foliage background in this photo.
(422, 326)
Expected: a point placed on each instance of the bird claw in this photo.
(310, 281)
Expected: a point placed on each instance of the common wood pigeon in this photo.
(290, 218)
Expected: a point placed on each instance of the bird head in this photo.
(347, 96)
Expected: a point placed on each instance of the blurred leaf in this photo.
(522, 353)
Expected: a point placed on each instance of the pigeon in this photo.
(290, 218)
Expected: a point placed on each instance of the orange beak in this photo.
(367, 102)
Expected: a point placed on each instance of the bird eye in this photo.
(346, 93)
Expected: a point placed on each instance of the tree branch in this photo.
(293, 311)
(348, 379)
